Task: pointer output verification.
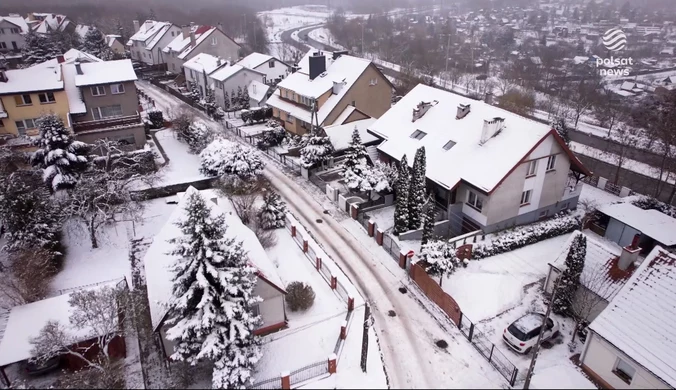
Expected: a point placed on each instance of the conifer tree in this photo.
(355, 163)
(570, 277)
(36, 49)
(272, 214)
(211, 314)
(428, 221)
(246, 102)
(402, 191)
(416, 197)
(96, 45)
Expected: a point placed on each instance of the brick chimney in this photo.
(185, 31)
(193, 42)
(137, 26)
(629, 254)
(421, 109)
(463, 110)
(60, 59)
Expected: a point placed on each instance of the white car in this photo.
(523, 333)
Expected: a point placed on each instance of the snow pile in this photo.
(526, 235)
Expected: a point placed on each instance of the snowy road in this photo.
(411, 358)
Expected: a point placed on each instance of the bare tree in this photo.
(521, 103)
(244, 194)
(31, 270)
(98, 312)
(595, 289)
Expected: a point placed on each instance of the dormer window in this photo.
(418, 134)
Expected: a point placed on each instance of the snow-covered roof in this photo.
(482, 165)
(69, 57)
(50, 22)
(254, 60)
(148, 30)
(652, 223)
(341, 135)
(25, 322)
(82, 30)
(75, 102)
(32, 80)
(158, 261)
(105, 72)
(111, 38)
(181, 44)
(639, 321)
(226, 72)
(345, 69)
(600, 274)
(204, 62)
(17, 21)
(257, 90)
(345, 114)
(199, 38)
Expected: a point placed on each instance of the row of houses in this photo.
(94, 98)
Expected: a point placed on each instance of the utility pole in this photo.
(536, 347)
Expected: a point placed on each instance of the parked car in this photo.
(37, 367)
(522, 334)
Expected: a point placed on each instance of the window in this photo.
(47, 97)
(373, 82)
(624, 370)
(551, 163)
(1, 124)
(15, 31)
(564, 206)
(3, 45)
(354, 103)
(474, 200)
(173, 67)
(293, 97)
(256, 310)
(286, 93)
(289, 118)
(172, 33)
(532, 168)
(116, 89)
(214, 41)
(449, 145)
(98, 90)
(23, 100)
(2, 31)
(525, 197)
(271, 63)
(15, 46)
(418, 134)
(543, 214)
(24, 125)
(107, 112)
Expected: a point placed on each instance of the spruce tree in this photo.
(36, 49)
(272, 214)
(96, 45)
(226, 101)
(210, 102)
(317, 150)
(402, 191)
(416, 197)
(211, 314)
(355, 163)
(234, 102)
(570, 277)
(194, 93)
(428, 221)
(61, 157)
(240, 97)
(246, 102)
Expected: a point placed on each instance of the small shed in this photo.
(620, 222)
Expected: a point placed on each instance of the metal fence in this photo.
(488, 350)
(340, 289)
(317, 181)
(612, 188)
(272, 383)
(309, 372)
(391, 247)
(363, 220)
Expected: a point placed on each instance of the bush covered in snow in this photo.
(272, 214)
(156, 119)
(527, 235)
(299, 296)
(198, 135)
(222, 157)
(650, 203)
(271, 138)
(440, 259)
(256, 115)
(379, 178)
(317, 150)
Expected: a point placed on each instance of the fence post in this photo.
(334, 282)
(286, 381)
(491, 355)
(371, 227)
(318, 263)
(460, 321)
(332, 363)
(293, 230)
(304, 245)
(514, 375)
(471, 331)
(343, 330)
(350, 304)
(379, 236)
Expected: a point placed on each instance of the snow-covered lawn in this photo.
(384, 218)
(183, 167)
(597, 195)
(84, 265)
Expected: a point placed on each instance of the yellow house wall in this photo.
(33, 111)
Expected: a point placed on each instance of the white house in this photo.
(229, 79)
(632, 343)
(148, 40)
(487, 168)
(198, 69)
(258, 93)
(273, 68)
(12, 30)
(159, 276)
(194, 40)
(115, 44)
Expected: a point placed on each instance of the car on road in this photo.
(522, 334)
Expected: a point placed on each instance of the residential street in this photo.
(407, 340)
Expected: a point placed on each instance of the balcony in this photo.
(108, 123)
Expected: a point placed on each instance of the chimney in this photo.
(489, 98)
(491, 129)
(220, 26)
(317, 64)
(78, 67)
(421, 109)
(137, 26)
(60, 59)
(295, 68)
(337, 86)
(185, 30)
(337, 54)
(629, 254)
(218, 61)
(149, 24)
(193, 42)
(463, 110)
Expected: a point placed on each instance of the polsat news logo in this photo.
(614, 40)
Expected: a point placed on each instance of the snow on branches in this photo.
(61, 157)
(570, 278)
(222, 157)
(416, 197)
(317, 150)
(219, 325)
(402, 191)
(96, 45)
(272, 214)
(440, 259)
(197, 135)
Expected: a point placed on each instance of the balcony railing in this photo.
(107, 123)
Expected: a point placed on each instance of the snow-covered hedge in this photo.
(650, 203)
(222, 157)
(527, 235)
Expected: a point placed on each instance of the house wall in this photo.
(155, 56)
(33, 111)
(355, 116)
(600, 359)
(280, 70)
(118, 47)
(8, 37)
(239, 79)
(224, 48)
(136, 136)
(373, 100)
(292, 127)
(128, 100)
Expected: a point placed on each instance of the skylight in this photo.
(418, 134)
(449, 145)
